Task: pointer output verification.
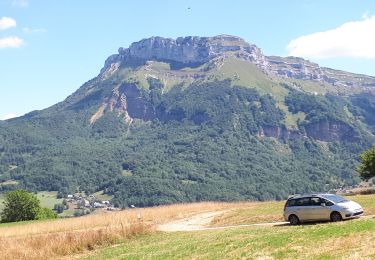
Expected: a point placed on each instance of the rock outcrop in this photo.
(299, 68)
(324, 130)
(194, 51)
(330, 130)
(190, 51)
(281, 132)
(127, 101)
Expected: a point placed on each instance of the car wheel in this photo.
(293, 220)
(335, 216)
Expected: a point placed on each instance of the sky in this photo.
(48, 49)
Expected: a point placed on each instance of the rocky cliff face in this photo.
(330, 130)
(298, 68)
(324, 130)
(190, 51)
(193, 51)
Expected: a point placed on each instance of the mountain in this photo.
(195, 118)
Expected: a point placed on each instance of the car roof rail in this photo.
(294, 196)
(304, 195)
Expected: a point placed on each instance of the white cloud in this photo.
(352, 39)
(9, 116)
(33, 30)
(7, 22)
(11, 42)
(20, 3)
(365, 15)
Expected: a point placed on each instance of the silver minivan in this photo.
(320, 207)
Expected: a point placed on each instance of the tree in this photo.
(45, 213)
(78, 213)
(367, 167)
(20, 205)
(59, 208)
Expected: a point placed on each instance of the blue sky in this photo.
(48, 49)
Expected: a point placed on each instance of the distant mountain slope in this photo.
(196, 118)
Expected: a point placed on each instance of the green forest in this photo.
(204, 142)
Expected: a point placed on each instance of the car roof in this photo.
(295, 196)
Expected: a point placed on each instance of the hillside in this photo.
(193, 119)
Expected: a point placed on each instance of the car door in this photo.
(301, 208)
(317, 209)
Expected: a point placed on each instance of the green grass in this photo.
(24, 223)
(342, 240)
(100, 196)
(247, 74)
(309, 86)
(254, 213)
(272, 211)
(67, 213)
(366, 201)
(290, 118)
(48, 199)
(326, 240)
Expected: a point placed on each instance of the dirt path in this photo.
(196, 222)
(202, 220)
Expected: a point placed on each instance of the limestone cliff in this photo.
(194, 50)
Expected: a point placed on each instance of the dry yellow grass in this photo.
(76, 236)
(62, 237)
(249, 213)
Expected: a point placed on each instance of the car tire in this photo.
(336, 216)
(293, 220)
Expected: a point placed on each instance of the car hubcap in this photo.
(293, 220)
(336, 217)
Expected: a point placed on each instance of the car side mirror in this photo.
(322, 204)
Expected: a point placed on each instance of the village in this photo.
(79, 204)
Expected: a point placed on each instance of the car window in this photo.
(303, 202)
(291, 203)
(315, 201)
(335, 198)
(327, 202)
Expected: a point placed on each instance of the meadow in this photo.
(132, 234)
(353, 239)
(65, 237)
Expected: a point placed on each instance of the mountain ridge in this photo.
(195, 50)
(214, 120)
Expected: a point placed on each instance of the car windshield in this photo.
(335, 198)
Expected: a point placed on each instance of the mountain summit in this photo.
(192, 119)
(195, 51)
(191, 50)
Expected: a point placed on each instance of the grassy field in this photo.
(122, 235)
(48, 199)
(346, 240)
(353, 239)
(65, 237)
(101, 196)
